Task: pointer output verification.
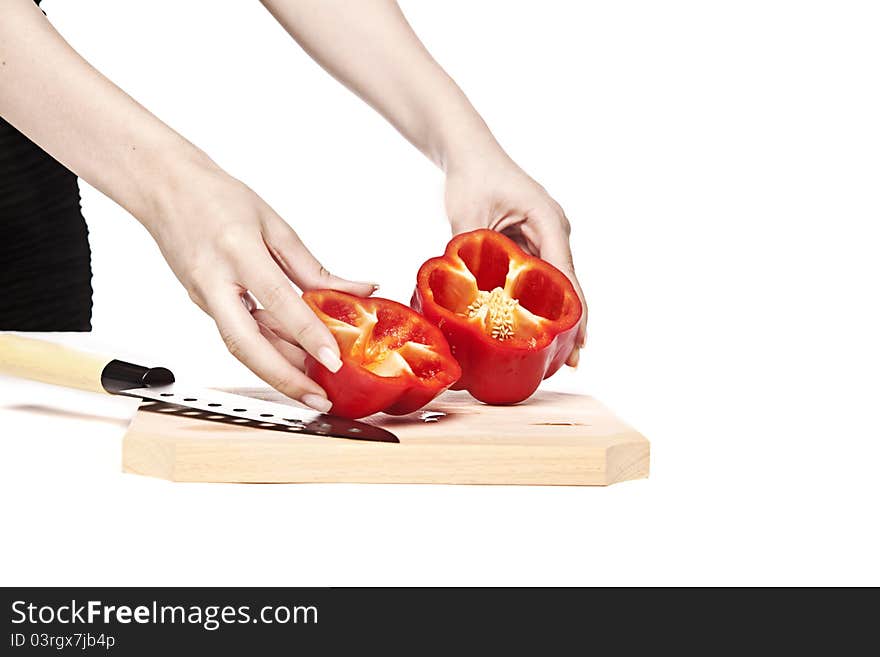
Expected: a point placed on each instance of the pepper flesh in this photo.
(393, 360)
(510, 318)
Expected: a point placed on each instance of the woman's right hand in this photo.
(227, 247)
(223, 241)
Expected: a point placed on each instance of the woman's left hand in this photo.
(493, 192)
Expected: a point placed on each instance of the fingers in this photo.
(559, 255)
(302, 267)
(245, 341)
(555, 249)
(270, 328)
(294, 320)
(512, 225)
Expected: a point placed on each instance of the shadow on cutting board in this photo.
(69, 415)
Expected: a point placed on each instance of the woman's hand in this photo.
(222, 241)
(491, 191)
(227, 246)
(371, 49)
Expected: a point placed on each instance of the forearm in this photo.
(369, 47)
(83, 120)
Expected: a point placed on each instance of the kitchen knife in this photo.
(56, 364)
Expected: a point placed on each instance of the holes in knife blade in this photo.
(239, 410)
(214, 404)
(190, 399)
(265, 415)
(166, 394)
(295, 425)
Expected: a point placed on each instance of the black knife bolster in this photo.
(118, 375)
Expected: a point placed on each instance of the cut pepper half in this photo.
(510, 318)
(393, 360)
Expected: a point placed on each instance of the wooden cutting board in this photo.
(552, 439)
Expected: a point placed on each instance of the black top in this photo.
(45, 271)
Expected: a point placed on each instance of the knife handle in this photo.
(48, 362)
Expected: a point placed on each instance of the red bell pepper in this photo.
(510, 318)
(393, 359)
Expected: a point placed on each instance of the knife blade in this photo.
(229, 408)
(59, 365)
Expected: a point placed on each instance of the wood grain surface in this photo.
(552, 439)
(41, 360)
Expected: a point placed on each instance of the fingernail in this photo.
(317, 402)
(329, 360)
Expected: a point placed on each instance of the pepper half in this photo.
(510, 318)
(393, 359)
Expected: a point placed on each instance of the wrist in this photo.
(464, 145)
(478, 159)
(472, 153)
(170, 177)
(449, 131)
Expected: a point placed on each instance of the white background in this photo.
(720, 164)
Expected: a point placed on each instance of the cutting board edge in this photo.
(195, 460)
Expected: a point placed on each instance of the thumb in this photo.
(303, 268)
(324, 280)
